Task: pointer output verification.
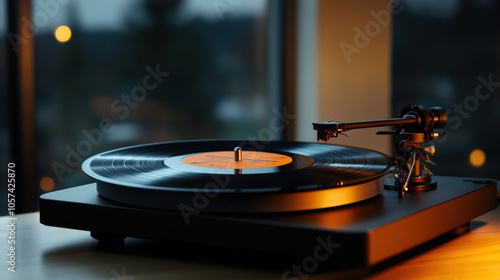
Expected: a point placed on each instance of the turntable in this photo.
(340, 204)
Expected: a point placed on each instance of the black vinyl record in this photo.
(202, 175)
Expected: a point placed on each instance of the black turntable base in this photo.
(326, 203)
(363, 233)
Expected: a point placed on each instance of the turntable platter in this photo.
(203, 176)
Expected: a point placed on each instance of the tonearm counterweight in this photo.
(414, 128)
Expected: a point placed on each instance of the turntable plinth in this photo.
(364, 233)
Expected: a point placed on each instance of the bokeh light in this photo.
(63, 34)
(477, 158)
(47, 184)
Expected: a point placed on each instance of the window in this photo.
(444, 55)
(116, 73)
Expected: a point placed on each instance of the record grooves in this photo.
(293, 176)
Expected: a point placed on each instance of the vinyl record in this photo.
(201, 176)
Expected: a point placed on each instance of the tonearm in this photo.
(414, 128)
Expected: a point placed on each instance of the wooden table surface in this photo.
(44, 252)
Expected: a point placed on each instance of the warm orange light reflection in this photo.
(477, 158)
(473, 255)
(63, 34)
(47, 184)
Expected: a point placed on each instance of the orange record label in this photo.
(225, 160)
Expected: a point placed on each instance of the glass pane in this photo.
(135, 72)
(445, 55)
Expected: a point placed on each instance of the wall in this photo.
(352, 65)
